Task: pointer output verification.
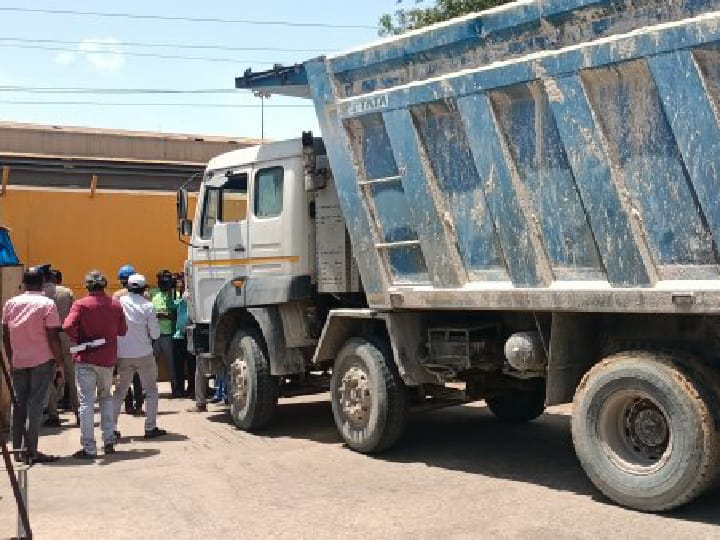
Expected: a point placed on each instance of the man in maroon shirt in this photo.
(100, 319)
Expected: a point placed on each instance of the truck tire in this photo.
(252, 391)
(519, 406)
(644, 430)
(369, 400)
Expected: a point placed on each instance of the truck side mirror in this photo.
(185, 227)
(182, 204)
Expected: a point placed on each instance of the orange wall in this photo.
(75, 232)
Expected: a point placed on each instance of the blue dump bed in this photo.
(547, 155)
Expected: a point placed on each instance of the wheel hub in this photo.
(239, 379)
(635, 432)
(354, 393)
(646, 429)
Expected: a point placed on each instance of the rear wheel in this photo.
(252, 391)
(521, 405)
(369, 400)
(644, 431)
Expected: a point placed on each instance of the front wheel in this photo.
(369, 400)
(252, 391)
(644, 430)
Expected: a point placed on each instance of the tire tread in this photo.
(686, 369)
(396, 414)
(267, 394)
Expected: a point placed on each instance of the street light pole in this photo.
(263, 95)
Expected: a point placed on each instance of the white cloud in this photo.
(65, 58)
(104, 55)
(7, 79)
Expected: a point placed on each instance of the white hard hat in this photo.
(136, 281)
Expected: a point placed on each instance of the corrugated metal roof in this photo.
(246, 141)
(17, 138)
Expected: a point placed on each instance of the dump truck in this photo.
(518, 206)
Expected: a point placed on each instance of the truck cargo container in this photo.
(519, 205)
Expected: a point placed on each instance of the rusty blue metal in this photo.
(592, 170)
(459, 189)
(690, 113)
(428, 223)
(521, 257)
(340, 153)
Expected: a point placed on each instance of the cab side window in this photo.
(269, 192)
(234, 198)
(224, 204)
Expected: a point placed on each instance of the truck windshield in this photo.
(224, 203)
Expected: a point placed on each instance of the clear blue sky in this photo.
(81, 67)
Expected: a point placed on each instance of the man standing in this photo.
(69, 398)
(184, 361)
(96, 318)
(31, 328)
(124, 274)
(135, 354)
(165, 308)
(134, 397)
(63, 298)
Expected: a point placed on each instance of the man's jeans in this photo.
(91, 379)
(31, 385)
(164, 346)
(146, 368)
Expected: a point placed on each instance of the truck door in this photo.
(220, 244)
(271, 221)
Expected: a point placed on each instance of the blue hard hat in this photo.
(126, 271)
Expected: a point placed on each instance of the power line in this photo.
(161, 45)
(126, 104)
(121, 91)
(140, 54)
(186, 19)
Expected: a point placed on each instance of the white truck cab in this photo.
(268, 257)
(251, 220)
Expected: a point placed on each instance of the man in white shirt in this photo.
(135, 353)
(63, 298)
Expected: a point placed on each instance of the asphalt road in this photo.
(457, 473)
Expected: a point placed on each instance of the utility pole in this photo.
(263, 95)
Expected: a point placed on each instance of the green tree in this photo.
(404, 19)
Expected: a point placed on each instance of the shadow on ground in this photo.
(139, 437)
(307, 420)
(120, 455)
(127, 455)
(471, 440)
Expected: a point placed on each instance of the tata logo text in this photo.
(368, 104)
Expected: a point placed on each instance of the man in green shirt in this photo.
(166, 310)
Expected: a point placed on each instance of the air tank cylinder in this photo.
(525, 352)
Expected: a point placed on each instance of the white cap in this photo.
(136, 281)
